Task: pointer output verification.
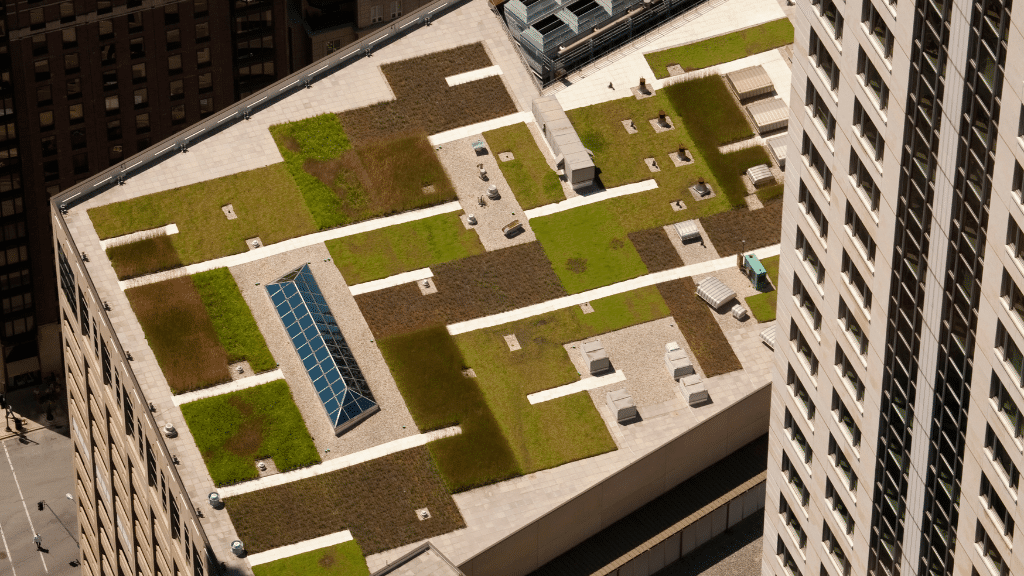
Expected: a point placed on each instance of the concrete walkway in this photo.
(604, 292)
(338, 463)
(292, 244)
(577, 201)
(391, 281)
(299, 548)
(140, 235)
(584, 384)
(479, 128)
(227, 387)
(472, 75)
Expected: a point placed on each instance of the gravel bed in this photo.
(639, 351)
(460, 162)
(693, 251)
(393, 421)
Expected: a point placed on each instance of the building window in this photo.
(46, 120)
(849, 375)
(173, 39)
(83, 307)
(813, 211)
(1011, 354)
(803, 348)
(823, 61)
(174, 63)
(839, 509)
(786, 559)
(818, 109)
(108, 55)
(71, 64)
(150, 464)
(859, 233)
(74, 88)
(76, 114)
(112, 104)
(856, 282)
(832, 546)
(178, 114)
(141, 98)
(205, 106)
(809, 257)
(845, 419)
(141, 123)
(205, 82)
(867, 131)
(202, 31)
(872, 80)
(67, 12)
(798, 438)
(42, 68)
(376, 14)
(106, 28)
(332, 46)
(842, 464)
(114, 130)
(996, 509)
(852, 328)
(794, 479)
(177, 89)
(105, 363)
(877, 28)
(819, 168)
(396, 8)
(831, 16)
(44, 96)
(136, 48)
(69, 37)
(67, 279)
(202, 57)
(869, 192)
(792, 523)
(1005, 404)
(799, 392)
(806, 304)
(1004, 463)
(139, 72)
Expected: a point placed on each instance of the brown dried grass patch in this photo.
(469, 288)
(143, 257)
(697, 323)
(376, 500)
(759, 228)
(180, 333)
(655, 249)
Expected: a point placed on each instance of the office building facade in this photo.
(895, 431)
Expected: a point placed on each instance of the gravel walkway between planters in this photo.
(393, 421)
(639, 351)
(460, 162)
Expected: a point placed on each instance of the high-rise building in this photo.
(895, 429)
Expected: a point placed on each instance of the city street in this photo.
(36, 467)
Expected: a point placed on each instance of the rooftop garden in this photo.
(696, 321)
(532, 181)
(762, 306)
(345, 559)
(375, 500)
(234, 430)
(143, 257)
(590, 246)
(266, 201)
(724, 48)
(198, 325)
(404, 247)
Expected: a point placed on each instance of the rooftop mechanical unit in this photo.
(769, 115)
(751, 82)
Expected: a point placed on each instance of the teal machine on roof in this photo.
(317, 338)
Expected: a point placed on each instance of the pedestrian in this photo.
(39, 543)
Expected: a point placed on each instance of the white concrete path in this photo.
(577, 201)
(227, 387)
(479, 128)
(390, 281)
(604, 292)
(299, 548)
(338, 463)
(584, 384)
(140, 235)
(288, 245)
(472, 75)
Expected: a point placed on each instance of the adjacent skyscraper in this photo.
(895, 432)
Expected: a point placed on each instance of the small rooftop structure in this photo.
(677, 362)
(751, 82)
(329, 363)
(768, 336)
(777, 147)
(694, 390)
(760, 175)
(583, 15)
(715, 292)
(687, 230)
(595, 357)
(769, 115)
(546, 33)
(622, 406)
(755, 272)
(574, 159)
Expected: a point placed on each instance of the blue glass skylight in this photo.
(326, 356)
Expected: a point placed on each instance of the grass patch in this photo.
(232, 320)
(532, 181)
(655, 249)
(342, 184)
(345, 559)
(428, 370)
(770, 193)
(396, 249)
(234, 430)
(472, 287)
(698, 325)
(266, 200)
(424, 101)
(771, 267)
(724, 48)
(143, 257)
(759, 228)
(179, 331)
(762, 306)
(376, 500)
